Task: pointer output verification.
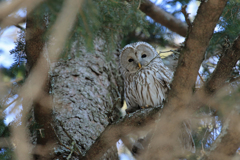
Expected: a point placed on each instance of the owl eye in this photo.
(144, 55)
(130, 60)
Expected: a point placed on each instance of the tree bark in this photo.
(180, 96)
(87, 92)
(190, 59)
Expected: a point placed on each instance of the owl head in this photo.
(135, 56)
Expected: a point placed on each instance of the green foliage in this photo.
(17, 70)
(154, 33)
(4, 130)
(228, 27)
(5, 153)
(103, 19)
(107, 19)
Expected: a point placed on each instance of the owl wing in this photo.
(164, 75)
(130, 99)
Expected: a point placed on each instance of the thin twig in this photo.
(20, 27)
(139, 4)
(75, 144)
(6, 106)
(165, 51)
(72, 149)
(175, 51)
(183, 10)
(59, 141)
(200, 77)
(152, 60)
(234, 79)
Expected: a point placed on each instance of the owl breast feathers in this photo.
(146, 78)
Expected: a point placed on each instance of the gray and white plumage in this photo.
(147, 81)
(146, 78)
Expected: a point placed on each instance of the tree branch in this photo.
(164, 18)
(181, 92)
(190, 59)
(195, 46)
(193, 53)
(224, 67)
(131, 123)
(227, 143)
(183, 10)
(234, 79)
(219, 76)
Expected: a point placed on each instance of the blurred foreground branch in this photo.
(176, 109)
(179, 98)
(227, 143)
(7, 11)
(33, 86)
(132, 123)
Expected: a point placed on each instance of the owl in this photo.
(146, 78)
(146, 83)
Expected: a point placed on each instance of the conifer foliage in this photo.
(84, 78)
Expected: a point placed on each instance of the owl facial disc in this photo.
(134, 57)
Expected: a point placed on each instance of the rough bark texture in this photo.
(194, 50)
(190, 60)
(224, 67)
(192, 55)
(132, 123)
(87, 93)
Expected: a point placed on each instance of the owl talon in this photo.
(145, 106)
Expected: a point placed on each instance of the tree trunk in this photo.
(87, 91)
(42, 131)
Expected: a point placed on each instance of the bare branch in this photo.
(193, 52)
(164, 18)
(234, 79)
(190, 59)
(186, 16)
(20, 27)
(7, 19)
(224, 67)
(181, 92)
(131, 123)
(8, 8)
(5, 142)
(60, 143)
(36, 80)
(227, 143)
(218, 78)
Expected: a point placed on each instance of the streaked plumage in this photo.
(146, 82)
(149, 84)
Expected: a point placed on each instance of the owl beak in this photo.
(139, 65)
